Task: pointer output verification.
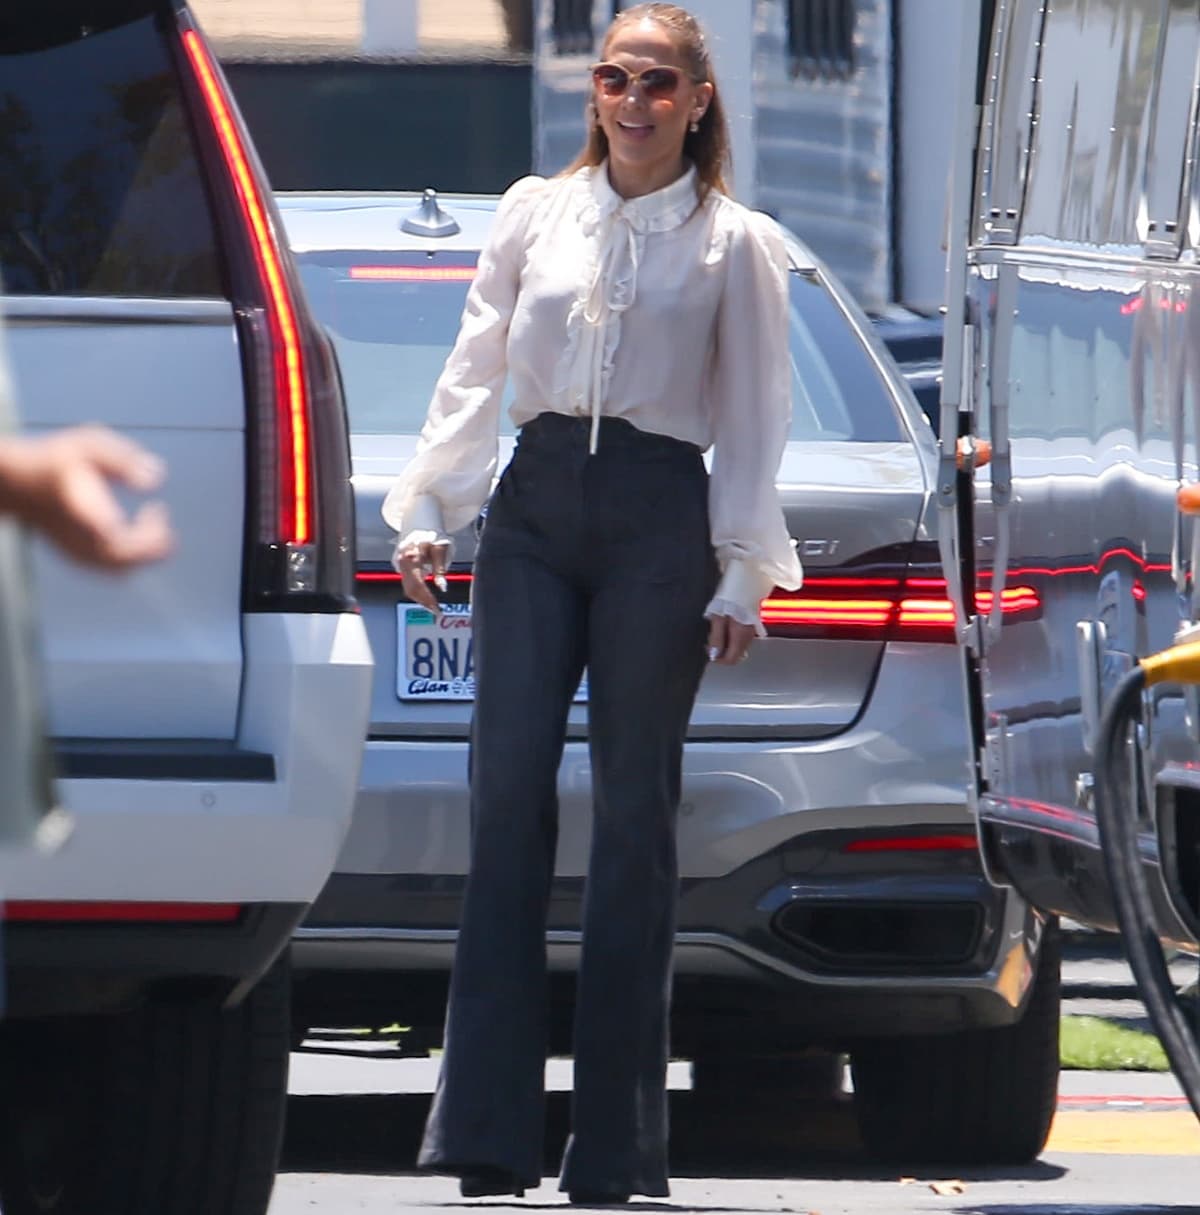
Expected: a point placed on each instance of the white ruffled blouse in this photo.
(667, 313)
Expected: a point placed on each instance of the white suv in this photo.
(207, 712)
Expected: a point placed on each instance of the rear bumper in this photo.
(822, 940)
(256, 823)
(761, 830)
(903, 761)
(259, 821)
(730, 959)
(73, 968)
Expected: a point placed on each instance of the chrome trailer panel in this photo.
(1078, 338)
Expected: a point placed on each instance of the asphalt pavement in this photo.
(1121, 1142)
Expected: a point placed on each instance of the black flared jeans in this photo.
(600, 561)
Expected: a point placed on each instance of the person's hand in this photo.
(728, 640)
(412, 559)
(60, 485)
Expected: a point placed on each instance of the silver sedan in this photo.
(832, 896)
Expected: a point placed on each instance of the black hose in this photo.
(1118, 825)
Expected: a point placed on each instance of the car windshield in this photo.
(393, 320)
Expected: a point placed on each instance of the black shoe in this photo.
(597, 1198)
(488, 1182)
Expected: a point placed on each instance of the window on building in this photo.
(821, 37)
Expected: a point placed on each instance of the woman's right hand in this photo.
(416, 556)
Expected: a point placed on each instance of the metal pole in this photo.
(957, 373)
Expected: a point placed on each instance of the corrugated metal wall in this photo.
(824, 147)
(560, 89)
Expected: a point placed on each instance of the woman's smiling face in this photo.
(646, 134)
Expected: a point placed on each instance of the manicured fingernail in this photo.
(714, 652)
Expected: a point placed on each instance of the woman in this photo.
(642, 316)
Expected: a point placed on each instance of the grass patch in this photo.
(1093, 1044)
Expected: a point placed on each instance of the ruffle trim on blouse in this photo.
(421, 536)
(617, 228)
(737, 611)
(746, 579)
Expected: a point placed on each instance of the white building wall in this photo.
(824, 149)
(930, 42)
(560, 89)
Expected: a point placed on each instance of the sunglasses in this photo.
(657, 83)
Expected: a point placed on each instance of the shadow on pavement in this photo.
(379, 1135)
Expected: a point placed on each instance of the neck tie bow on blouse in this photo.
(613, 291)
(620, 226)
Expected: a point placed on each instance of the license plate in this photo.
(435, 658)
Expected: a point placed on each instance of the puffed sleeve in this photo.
(446, 482)
(751, 407)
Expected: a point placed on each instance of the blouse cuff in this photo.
(424, 514)
(423, 525)
(742, 589)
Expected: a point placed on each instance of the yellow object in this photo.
(1137, 1133)
(1179, 664)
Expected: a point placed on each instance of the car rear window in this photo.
(393, 319)
(837, 391)
(100, 187)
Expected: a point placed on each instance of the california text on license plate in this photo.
(435, 659)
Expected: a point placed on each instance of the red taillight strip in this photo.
(866, 615)
(926, 611)
(931, 615)
(413, 274)
(28, 911)
(913, 843)
(807, 610)
(295, 508)
(392, 576)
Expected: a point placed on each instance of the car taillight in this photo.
(412, 274)
(299, 506)
(912, 843)
(882, 609)
(871, 609)
(37, 912)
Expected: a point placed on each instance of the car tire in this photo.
(984, 1096)
(175, 1107)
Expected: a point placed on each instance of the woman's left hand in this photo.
(728, 640)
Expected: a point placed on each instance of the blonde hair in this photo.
(708, 147)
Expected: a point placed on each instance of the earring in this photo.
(695, 126)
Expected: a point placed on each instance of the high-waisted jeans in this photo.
(603, 561)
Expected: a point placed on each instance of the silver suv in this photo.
(207, 712)
(832, 894)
